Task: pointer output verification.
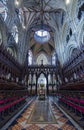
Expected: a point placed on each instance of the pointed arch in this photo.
(4, 31)
(70, 48)
(41, 57)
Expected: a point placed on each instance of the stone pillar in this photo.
(31, 82)
(36, 84)
(47, 85)
(52, 81)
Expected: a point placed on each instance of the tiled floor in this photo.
(42, 115)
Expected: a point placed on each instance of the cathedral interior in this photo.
(41, 64)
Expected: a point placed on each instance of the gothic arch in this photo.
(12, 48)
(81, 34)
(43, 74)
(75, 52)
(69, 49)
(40, 56)
(3, 30)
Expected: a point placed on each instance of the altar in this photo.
(41, 91)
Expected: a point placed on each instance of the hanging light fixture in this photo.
(42, 36)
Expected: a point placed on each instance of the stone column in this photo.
(36, 84)
(47, 85)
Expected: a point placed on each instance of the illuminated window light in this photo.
(42, 36)
(67, 2)
(24, 27)
(17, 3)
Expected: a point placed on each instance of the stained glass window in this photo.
(42, 58)
(29, 57)
(15, 33)
(53, 59)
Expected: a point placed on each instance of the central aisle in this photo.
(42, 115)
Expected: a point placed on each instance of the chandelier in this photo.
(42, 35)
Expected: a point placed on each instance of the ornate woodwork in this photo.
(73, 70)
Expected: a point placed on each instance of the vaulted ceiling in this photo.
(63, 19)
(38, 13)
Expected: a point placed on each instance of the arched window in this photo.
(3, 9)
(21, 17)
(15, 33)
(53, 59)
(10, 51)
(29, 57)
(42, 58)
(49, 78)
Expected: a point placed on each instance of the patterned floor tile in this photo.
(62, 123)
(50, 127)
(16, 127)
(42, 125)
(33, 127)
(64, 120)
(67, 127)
